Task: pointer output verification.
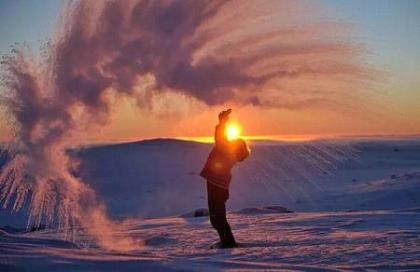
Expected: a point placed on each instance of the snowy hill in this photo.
(159, 177)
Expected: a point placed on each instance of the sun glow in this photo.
(232, 131)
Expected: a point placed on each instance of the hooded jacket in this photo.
(220, 161)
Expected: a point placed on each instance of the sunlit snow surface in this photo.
(376, 240)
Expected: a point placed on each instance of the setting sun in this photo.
(233, 131)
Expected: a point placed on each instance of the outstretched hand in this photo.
(224, 115)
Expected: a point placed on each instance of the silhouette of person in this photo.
(217, 171)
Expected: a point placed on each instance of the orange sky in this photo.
(192, 119)
(177, 116)
(129, 123)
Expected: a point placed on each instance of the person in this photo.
(217, 171)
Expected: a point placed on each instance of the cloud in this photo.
(129, 40)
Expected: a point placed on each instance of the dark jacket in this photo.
(217, 169)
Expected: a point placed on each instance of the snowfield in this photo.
(308, 241)
(355, 203)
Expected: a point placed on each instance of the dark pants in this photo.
(217, 198)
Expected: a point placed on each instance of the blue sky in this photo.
(26, 21)
(391, 30)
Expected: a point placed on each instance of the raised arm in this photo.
(220, 137)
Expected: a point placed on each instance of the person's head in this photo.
(240, 149)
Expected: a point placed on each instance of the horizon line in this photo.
(275, 137)
(272, 137)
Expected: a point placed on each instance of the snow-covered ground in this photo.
(356, 203)
(308, 241)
